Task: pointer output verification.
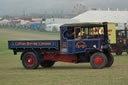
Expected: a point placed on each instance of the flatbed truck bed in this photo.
(20, 45)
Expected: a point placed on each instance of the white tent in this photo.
(103, 16)
(4, 22)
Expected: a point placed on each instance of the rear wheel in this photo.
(47, 63)
(98, 60)
(118, 52)
(110, 60)
(30, 60)
(127, 50)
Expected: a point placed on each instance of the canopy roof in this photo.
(82, 25)
(103, 16)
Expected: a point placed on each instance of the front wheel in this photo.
(47, 64)
(30, 60)
(98, 60)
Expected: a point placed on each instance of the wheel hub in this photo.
(98, 60)
(29, 60)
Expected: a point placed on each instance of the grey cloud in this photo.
(17, 6)
(121, 4)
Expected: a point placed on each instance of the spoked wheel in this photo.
(98, 60)
(30, 60)
(47, 64)
(110, 60)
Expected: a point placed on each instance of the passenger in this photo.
(81, 34)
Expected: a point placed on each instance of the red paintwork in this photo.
(59, 57)
(18, 18)
(29, 60)
(94, 9)
(114, 49)
(98, 60)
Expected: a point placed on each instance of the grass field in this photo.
(13, 73)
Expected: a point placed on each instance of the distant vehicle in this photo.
(3, 22)
(35, 25)
(121, 44)
(77, 44)
(53, 27)
(1, 18)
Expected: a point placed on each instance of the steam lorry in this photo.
(78, 44)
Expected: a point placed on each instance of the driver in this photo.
(69, 33)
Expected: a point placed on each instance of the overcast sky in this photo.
(11, 7)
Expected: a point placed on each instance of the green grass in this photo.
(13, 73)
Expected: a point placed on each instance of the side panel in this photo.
(79, 46)
(84, 45)
(34, 44)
